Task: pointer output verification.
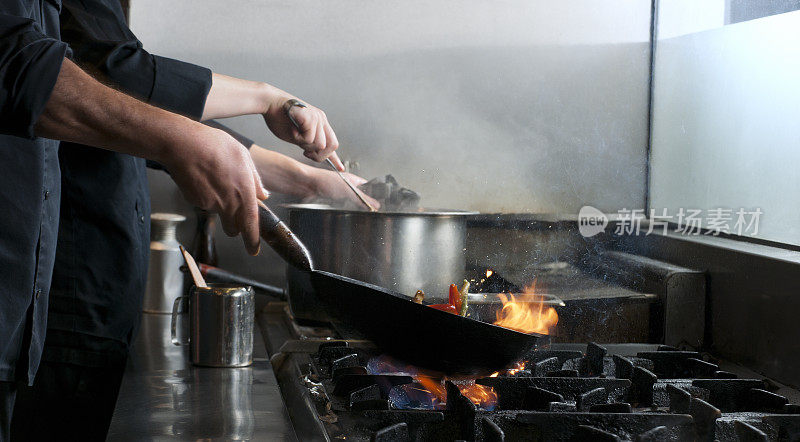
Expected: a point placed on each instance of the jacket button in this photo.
(46, 194)
(38, 293)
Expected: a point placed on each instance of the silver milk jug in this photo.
(164, 277)
(220, 325)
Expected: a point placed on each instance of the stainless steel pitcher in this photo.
(164, 278)
(220, 325)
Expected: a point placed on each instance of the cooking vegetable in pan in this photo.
(455, 297)
(457, 300)
(463, 298)
(449, 308)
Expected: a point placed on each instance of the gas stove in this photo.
(651, 343)
(338, 388)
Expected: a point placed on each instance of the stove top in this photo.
(337, 389)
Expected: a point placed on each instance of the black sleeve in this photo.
(247, 142)
(103, 44)
(29, 66)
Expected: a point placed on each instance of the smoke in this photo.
(505, 129)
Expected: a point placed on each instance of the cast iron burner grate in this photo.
(560, 394)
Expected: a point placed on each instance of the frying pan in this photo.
(412, 332)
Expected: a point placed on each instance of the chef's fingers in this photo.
(314, 134)
(296, 116)
(261, 192)
(320, 142)
(372, 201)
(249, 225)
(228, 223)
(332, 145)
(355, 179)
(315, 146)
(337, 162)
(305, 128)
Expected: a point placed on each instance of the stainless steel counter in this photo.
(163, 396)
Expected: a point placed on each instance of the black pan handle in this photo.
(218, 274)
(278, 236)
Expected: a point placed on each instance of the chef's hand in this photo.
(327, 184)
(230, 97)
(283, 174)
(313, 133)
(215, 172)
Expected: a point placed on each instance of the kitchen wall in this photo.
(503, 106)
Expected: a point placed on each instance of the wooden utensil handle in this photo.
(193, 270)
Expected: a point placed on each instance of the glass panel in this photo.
(726, 100)
(744, 10)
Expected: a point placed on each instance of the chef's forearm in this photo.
(231, 97)
(212, 170)
(82, 110)
(282, 174)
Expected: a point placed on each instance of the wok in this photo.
(412, 332)
(417, 334)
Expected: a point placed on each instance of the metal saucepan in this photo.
(401, 251)
(413, 332)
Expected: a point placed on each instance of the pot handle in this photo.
(176, 307)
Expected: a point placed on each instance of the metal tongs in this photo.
(297, 103)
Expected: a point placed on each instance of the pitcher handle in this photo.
(176, 306)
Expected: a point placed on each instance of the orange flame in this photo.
(511, 371)
(526, 315)
(518, 368)
(430, 385)
(480, 395)
(433, 386)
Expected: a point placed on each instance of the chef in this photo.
(44, 97)
(101, 257)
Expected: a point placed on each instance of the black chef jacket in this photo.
(101, 260)
(31, 54)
